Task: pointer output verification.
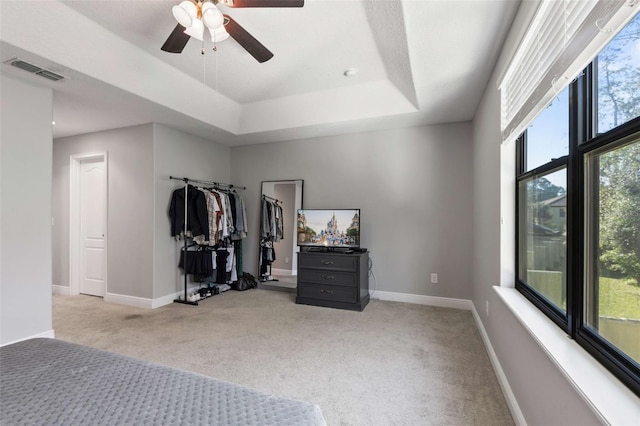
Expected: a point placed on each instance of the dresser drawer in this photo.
(332, 262)
(327, 292)
(319, 276)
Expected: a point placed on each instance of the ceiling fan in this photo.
(194, 16)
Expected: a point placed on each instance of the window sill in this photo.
(610, 400)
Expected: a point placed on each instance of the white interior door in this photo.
(92, 227)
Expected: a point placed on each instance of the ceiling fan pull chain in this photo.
(204, 70)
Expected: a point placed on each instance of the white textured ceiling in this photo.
(419, 62)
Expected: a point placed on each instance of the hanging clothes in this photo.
(271, 230)
(272, 223)
(198, 262)
(214, 212)
(267, 257)
(197, 219)
(279, 222)
(216, 221)
(221, 265)
(238, 246)
(226, 217)
(240, 220)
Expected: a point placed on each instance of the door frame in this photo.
(75, 243)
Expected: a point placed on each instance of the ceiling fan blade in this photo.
(246, 40)
(177, 40)
(263, 3)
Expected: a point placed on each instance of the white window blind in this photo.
(563, 37)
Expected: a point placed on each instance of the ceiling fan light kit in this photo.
(212, 17)
(196, 30)
(183, 13)
(194, 16)
(219, 34)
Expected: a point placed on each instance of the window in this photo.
(618, 80)
(548, 135)
(578, 208)
(543, 236)
(612, 264)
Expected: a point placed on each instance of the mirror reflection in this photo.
(278, 262)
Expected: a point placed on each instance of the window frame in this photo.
(555, 314)
(583, 140)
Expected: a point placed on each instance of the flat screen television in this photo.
(331, 228)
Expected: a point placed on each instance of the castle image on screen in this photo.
(329, 228)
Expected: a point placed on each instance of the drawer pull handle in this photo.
(328, 277)
(326, 291)
(326, 262)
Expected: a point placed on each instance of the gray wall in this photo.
(285, 192)
(413, 187)
(130, 206)
(142, 256)
(25, 210)
(183, 155)
(533, 378)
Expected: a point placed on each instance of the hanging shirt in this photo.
(228, 216)
(213, 210)
(240, 219)
(219, 215)
(221, 265)
(224, 226)
(264, 222)
(279, 223)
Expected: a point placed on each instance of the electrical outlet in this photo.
(487, 307)
(434, 278)
(286, 260)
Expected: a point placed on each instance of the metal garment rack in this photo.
(216, 185)
(273, 199)
(262, 277)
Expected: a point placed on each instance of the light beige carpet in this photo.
(393, 364)
(286, 281)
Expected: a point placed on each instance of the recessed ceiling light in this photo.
(350, 72)
(53, 122)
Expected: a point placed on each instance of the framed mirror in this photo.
(278, 259)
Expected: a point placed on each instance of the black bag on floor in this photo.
(246, 282)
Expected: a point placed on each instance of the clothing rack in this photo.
(207, 182)
(186, 181)
(263, 278)
(265, 243)
(272, 199)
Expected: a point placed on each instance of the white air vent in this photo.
(50, 75)
(34, 69)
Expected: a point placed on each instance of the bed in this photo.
(51, 382)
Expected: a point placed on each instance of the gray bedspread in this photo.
(51, 382)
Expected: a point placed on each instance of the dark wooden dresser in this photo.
(334, 280)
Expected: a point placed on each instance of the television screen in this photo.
(329, 228)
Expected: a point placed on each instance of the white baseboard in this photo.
(62, 290)
(165, 300)
(141, 302)
(47, 334)
(518, 417)
(442, 302)
(121, 299)
(275, 271)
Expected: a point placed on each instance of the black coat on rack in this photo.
(197, 221)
